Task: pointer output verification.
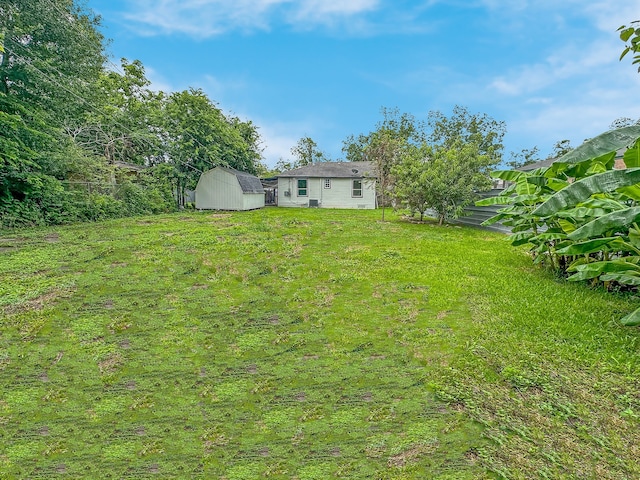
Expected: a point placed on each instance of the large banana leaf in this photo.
(591, 270)
(604, 143)
(626, 278)
(520, 238)
(582, 189)
(613, 222)
(494, 219)
(632, 156)
(632, 192)
(499, 200)
(632, 320)
(590, 246)
(508, 175)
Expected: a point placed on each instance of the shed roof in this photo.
(332, 170)
(249, 183)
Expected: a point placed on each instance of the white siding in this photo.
(338, 196)
(218, 189)
(251, 201)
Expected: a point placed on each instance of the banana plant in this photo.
(580, 214)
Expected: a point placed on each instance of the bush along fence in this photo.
(579, 215)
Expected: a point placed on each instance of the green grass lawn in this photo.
(306, 344)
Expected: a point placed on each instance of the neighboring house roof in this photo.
(249, 183)
(540, 164)
(331, 170)
(549, 161)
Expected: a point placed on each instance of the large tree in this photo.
(306, 152)
(50, 57)
(126, 122)
(199, 136)
(403, 128)
(385, 147)
(464, 127)
(444, 178)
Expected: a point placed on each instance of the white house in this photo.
(223, 188)
(328, 185)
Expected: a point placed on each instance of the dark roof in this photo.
(249, 183)
(332, 170)
(540, 164)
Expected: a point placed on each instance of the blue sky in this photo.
(324, 68)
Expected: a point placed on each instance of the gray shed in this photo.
(223, 188)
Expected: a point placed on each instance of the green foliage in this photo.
(442, 169)
(465, 128)
(306, 152)
(444, 179)
(630, 35)
(586, 228)
(604, 143)
(67, 121)
(525, 157)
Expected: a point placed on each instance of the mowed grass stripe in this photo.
(304, 344)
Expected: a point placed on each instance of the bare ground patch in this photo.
(37, 303)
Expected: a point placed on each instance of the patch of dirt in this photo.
(110, 364)
(52, 237)
(252, 369)
(62, 468)
(119, 264)
(125, 344)
(443, 314)
(199, 286)
(140, 431)
(154, 468)
(131, 385)
(274, 320)
(44, 431)
(300, 397)
(367, 397)
(310, 357)
(377, 356)
(472, 456)
(43, 377)
(202, 373)
(37, 303)
(410, 455)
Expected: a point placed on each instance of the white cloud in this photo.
(576, 115)
(565, 64)
(206, 18)
(608, 15)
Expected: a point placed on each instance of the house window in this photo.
(327, 183)
(302, 188)
(356, 191)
